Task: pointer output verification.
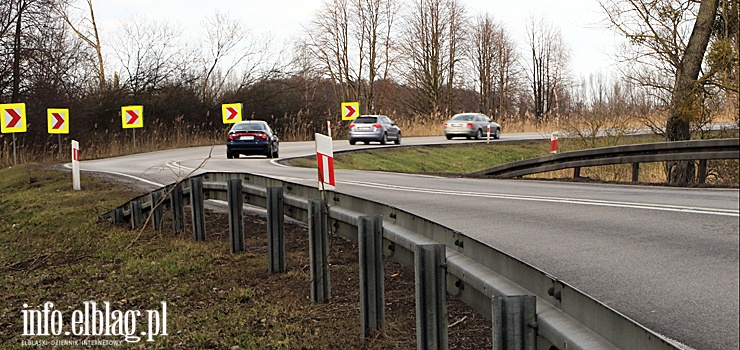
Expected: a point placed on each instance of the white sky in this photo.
(580, 21)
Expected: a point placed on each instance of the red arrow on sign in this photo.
(350, 110)
(232, 113)
(14, 118)
(133, 116)
(59, 121)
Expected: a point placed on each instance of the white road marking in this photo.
(69, 166)
(595, 202)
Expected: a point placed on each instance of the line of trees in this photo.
(412, 59)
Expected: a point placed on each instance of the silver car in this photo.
(471, 125)
(379, 128)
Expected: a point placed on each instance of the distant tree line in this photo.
(417, 60)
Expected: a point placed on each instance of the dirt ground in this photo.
(467, 329)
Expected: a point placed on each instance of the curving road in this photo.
(665, 257)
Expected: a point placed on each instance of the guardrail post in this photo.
(576, 172)
(196, 207)
(514, 322)
(157, 210)
(178, 211)
(136, 214)
(635, 172)
(118, 216)
(372, 290)
(702, 171)
(318, 248)
(431, 294)
(236, 225)
(275, 230)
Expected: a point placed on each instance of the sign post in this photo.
(350, 110)
(58, 124)
(132, 117)
(325, 159)
(231, 112)
(75, 165)
(554, 143)
(13, 120)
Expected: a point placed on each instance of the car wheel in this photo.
(352, 142)
(229, 155)
(478, 134)
(449, 137)
(384, 139)
(366, 142)
(398, 139)
(497, 135)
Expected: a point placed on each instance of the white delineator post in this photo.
(554, 143)
(325, 160)
(75, 165)
(488, 133)
(328, 127)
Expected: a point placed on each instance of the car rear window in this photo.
(365, 120)
(249, 126)
(464, 117)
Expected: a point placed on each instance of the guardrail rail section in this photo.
(701, 150)
(528, 308)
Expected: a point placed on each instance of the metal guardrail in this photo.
(476, 273)
(701, 150)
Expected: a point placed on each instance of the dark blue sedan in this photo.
(252, 137)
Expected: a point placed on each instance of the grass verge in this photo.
(55, 250)
(463, 158)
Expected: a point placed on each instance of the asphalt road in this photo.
(665, 257)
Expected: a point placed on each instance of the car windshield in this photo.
(248, 126)
(365, 120)
(464, 117)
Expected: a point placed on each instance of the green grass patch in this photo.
(434, 159)
(56, 250)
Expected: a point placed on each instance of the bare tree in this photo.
(149, 54)
(671, 47)
(430, 47)
(547, 68)
(230, 47)
(493, 58)
(376, 19)
(87, 30)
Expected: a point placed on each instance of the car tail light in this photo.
(446, 125)
(377, 126)
(351, 126)
(236, 135)
(470, 125)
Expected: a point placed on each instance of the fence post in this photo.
(576, 172)
(431, 294)
(236, 225)
(635, 172)
(318, 248)
(118, 216)
(372, 290)
(196, 207)
(178, 211)
(157, 210)
(514, 322)
(702, 171)
(136, 214)
(275, 230)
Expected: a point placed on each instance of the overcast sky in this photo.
(580, 21)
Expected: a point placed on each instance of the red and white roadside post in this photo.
(554, 143)
(488, 133)
(325, 159)
(75, 165)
